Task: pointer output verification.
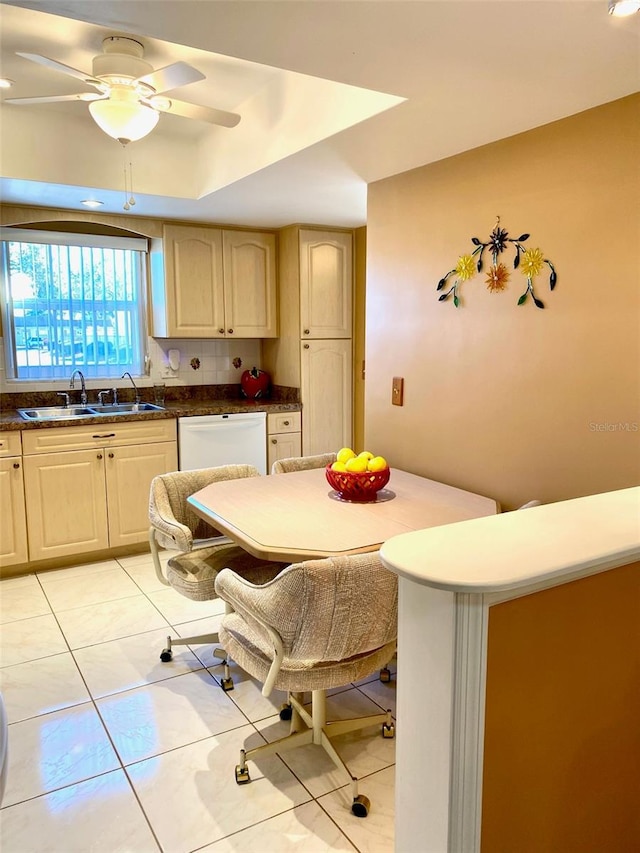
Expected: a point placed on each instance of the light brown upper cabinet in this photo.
(249, 266)
(210, 283)
(313, 351)
(326, 284)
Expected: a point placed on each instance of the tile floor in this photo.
(111, 750)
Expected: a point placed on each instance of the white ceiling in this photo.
(416, 82)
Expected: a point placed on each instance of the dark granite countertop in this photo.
(179, 402)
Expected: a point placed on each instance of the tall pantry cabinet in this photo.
(314, 350)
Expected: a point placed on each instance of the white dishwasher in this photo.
(206, 441)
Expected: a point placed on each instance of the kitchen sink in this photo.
(48, 413)
(126, 408)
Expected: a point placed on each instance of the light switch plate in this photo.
(397, 391)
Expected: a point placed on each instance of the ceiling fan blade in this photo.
(208, 114)
(171, 77)
(59, 66)
(50, 99)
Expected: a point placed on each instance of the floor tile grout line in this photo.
(252, 825)
(142, 809)
(331, 818)
(61, 788)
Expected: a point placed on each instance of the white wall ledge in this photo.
(542, 545)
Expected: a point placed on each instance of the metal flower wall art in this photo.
(530, 262)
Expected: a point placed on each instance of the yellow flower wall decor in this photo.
(530, 261)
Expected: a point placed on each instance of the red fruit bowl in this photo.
(357, 487)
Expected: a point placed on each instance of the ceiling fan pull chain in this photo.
(132, 200)
(126, 205)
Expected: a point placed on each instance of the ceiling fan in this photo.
(129, 95)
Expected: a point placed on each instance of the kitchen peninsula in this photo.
(518, 674)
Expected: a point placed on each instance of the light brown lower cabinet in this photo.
(87, 488)
(284, 437)
(13, 518)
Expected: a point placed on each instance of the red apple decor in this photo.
(255, 383)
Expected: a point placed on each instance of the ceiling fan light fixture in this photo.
(123, 119)
(623, 8)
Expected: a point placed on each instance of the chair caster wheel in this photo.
(388, 731)
(385, 675)
(166, 655)
(227, 684)
(242, 775)
(360, 806)
(286, 712)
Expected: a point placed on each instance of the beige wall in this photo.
(505, 400)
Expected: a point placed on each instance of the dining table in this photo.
(298, 516)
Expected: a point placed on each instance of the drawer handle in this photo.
(16, 464)
(286, 423)
(106, 435)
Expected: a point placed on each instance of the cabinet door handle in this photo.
(106, 435)
(306, 331)
(16, 464)
(230, 331)
(111, 456)
(274, 441)
(306, 346)
(99, 456)
(221, 331)
(286, 423)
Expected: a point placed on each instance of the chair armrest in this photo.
(244, 598)
(253, 600)
(170, 533)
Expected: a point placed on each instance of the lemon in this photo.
(356, 465)
(366, 454)
(378, 463)
(344, 454)
(339, 466)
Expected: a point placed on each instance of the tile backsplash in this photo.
(202, 362)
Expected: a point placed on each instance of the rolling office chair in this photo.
(319, 624)
(302, 463)
(202, 550)
(306, 463)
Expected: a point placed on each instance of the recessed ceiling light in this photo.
(91, 202)
(5, 83)
(622, 8)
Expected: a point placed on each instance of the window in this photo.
(72, 300)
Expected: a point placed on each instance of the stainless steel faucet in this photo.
(126, 373)
(83, 392)
(103, 394)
